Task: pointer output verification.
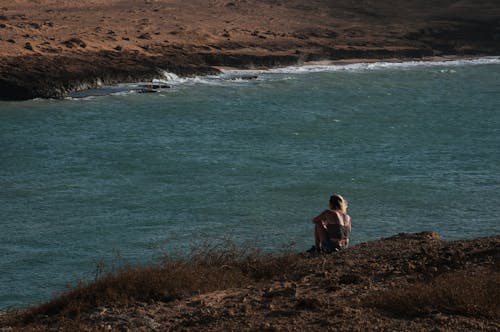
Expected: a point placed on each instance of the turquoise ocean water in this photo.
(129, 177)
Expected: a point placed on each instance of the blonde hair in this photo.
(338, 202)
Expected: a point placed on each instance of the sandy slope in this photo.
(253, 26)
(242, 33)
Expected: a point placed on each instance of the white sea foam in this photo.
(241, 76)
(229, 76)
(174, 80)
(365, 66)
(168, 77)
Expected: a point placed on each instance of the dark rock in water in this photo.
(244, 77)
(155, 86)
(146, 90)
(152, 87)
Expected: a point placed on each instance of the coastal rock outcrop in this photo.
(74, 45)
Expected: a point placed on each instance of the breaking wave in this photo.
(241, 76)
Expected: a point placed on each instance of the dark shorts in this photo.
(329, 246)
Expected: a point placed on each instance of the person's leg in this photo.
(320, 235)
(317, 241)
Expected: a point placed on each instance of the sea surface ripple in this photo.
(115, 177)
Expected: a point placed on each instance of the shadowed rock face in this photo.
(27, 77)
(75, 45)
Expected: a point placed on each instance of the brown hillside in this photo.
(407, 282)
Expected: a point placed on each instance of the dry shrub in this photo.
(208, 268)
(250, 262)
(460, 293)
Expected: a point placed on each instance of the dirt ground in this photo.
(54, 27)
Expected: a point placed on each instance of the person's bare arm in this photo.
(319, 218)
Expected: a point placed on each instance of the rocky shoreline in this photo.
(407, 282)
(30, 77)
(70, 46)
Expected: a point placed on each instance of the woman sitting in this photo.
(332, 227)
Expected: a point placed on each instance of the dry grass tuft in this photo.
(208, 268)
(458, 293)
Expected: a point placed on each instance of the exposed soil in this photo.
(323, 292)
(49, 48)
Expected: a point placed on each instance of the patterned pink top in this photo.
(337, 224)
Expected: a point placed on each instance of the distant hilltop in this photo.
(50, 48)
(406, 282)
